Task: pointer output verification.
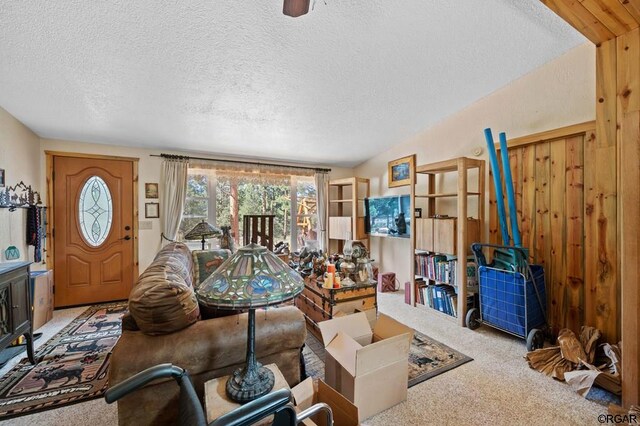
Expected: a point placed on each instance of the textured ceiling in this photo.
(336, 86)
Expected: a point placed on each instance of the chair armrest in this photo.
(140, 379)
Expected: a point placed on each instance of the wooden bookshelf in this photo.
(459, 237)
(346, 211)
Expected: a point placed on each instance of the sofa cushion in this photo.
(163, 300)
(205, 263)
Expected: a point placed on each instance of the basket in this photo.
(508, 299)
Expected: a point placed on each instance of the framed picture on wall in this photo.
(151, 190)
(151, 210)
(2, 178)
(401, 170)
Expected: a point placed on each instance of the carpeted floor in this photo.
(497, 388)
(427, 358)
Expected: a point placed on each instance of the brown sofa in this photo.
(206, 349)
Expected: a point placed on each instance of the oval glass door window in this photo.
(95, 211)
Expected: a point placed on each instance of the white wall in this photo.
(20, 157)
(558, 94)
(148, 171)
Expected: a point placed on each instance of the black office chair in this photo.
(278, 403)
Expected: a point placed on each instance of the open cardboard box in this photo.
(368, 366)
(311, 392)
(372, 315)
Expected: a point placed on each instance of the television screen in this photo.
(388, 216)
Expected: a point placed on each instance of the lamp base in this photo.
(249, 383)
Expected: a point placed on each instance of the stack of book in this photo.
(438, 268)
(442, 297)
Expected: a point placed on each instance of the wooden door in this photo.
(93, 229)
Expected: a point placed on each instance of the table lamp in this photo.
(252, 278)
(202, 230)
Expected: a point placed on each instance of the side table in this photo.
(217, 403)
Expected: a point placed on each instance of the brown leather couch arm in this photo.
(209, 344)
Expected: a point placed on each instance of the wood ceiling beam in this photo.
(633, 7)
(576, 14)
(612, 14)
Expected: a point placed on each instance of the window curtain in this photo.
(173, 190)
(322, 193)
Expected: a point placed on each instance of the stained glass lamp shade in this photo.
(202, 231)
(252, 278)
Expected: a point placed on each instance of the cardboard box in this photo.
(369, 366)
(42, 296)
(311, 392)
(372, 314)
(305, 394)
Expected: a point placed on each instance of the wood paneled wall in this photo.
(627, 94)
(612, 25)
(565, 186)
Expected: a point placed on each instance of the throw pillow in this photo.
(206, 262)
(163, 300)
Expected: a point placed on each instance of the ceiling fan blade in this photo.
(295, 8)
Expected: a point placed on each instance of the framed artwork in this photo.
(2, 178)
(151, 210)
(401, 171)
(151, 190)
(417, 212)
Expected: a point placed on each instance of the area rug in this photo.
(13, 351)
(72, 366)
(427, 358)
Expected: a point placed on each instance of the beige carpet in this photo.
(497, 388)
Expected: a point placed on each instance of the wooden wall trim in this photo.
(82, 155)
(548, 135)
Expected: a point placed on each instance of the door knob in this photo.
(126, 237)
(127, 228)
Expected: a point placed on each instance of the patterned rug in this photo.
(427, 358)
(72, 366)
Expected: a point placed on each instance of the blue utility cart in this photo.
(511, 299)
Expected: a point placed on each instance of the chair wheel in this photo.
(535, 340)
(473, 319)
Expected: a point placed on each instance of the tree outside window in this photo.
(223, 200)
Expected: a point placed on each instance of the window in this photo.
(307, 212)
(196, 208)
(95, 211)
(224, 198)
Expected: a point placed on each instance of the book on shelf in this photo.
(420, 285)
(441, 297)
(442, 269)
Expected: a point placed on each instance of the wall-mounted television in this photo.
(388, 216)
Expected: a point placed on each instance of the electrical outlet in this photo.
(145, 224)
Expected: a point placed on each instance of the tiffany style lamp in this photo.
(252, 278)
(202, 230)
